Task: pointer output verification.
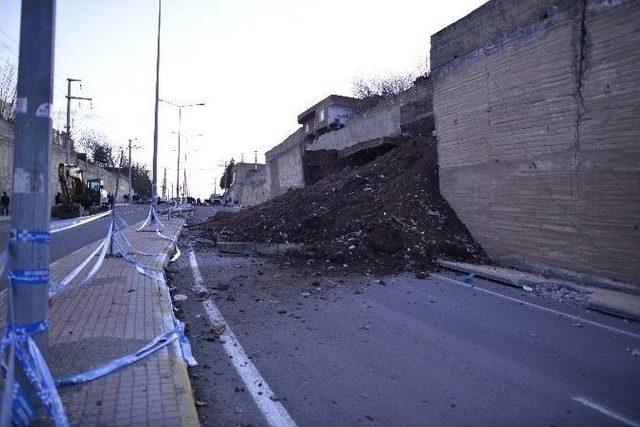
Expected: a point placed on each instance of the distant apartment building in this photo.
(331, 113)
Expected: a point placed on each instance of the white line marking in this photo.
(274, 413)
(605, 411)
(539, 307)
(65, 224)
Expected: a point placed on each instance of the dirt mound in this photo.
(387, 215)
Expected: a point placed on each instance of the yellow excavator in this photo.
(76, 195)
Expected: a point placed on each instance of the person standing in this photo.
(5, 201)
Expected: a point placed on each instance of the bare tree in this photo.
(391, 84)
(97, 145)
(8, 80)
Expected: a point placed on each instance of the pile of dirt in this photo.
(387, 215)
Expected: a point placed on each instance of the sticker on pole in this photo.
(21, 105)
(28, 181)
(45, 110)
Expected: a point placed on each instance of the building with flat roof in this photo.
(331, 113)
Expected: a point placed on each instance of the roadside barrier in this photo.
(17, 340)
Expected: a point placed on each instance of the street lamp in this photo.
(184, 168)
(152, 220)
(180, 107)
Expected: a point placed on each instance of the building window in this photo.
(306, 127)
(321, 115)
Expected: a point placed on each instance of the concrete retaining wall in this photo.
(57, 156)
(385, 120)
(284, 164)
(537, 117)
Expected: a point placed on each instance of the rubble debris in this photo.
(179, 297)
(402, 223)
(218, 328)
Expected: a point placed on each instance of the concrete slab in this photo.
(604, 300)
(249, 248)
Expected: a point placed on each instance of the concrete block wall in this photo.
(57, 156)
(256, 190)
(537, 118)
(285, 168)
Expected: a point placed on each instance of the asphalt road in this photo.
(67, 241)
(352, 351)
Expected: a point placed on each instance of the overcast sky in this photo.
(256, 64)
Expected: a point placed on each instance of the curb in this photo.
(248, 248)
(185, 396)
(606, 301)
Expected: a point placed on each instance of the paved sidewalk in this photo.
(120, 311)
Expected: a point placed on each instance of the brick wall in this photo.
(57, 156)
(537, 117)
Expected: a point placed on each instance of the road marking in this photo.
(66, 224)
(605, 411)
(273, 411)
(539, 307)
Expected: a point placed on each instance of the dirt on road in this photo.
(387, 215)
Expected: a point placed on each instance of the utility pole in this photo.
(68, 126)
(184, 183)
(130, 164)
(164, 185)
(255, 161)
(29, 259)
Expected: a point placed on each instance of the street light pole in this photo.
(152, 220)
(29, 259)
(130, 182)
(154, 185)
(180, 107)
(178, 165)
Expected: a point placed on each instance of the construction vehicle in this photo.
(75, 194)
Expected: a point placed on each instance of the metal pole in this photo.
(67, 157)
(129, 170)
(68, 126)
(178, 167)
(154, 184)
(31, 160)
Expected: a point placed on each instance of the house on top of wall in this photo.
(331, 113)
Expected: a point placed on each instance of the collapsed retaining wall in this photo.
(408, 111)
(57, 156)
(537, 117)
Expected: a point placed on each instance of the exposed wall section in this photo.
(249, 186)
(285, 165)
(57, 156)
(536, 108)
(407, 112)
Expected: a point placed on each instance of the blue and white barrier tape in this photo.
(152, 220)
(21, 345)
(133, 249)
(43, 237)
(15, 407)
(29, 277)
(156, 344)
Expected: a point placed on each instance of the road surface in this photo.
(67, 241)
(354, 351)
